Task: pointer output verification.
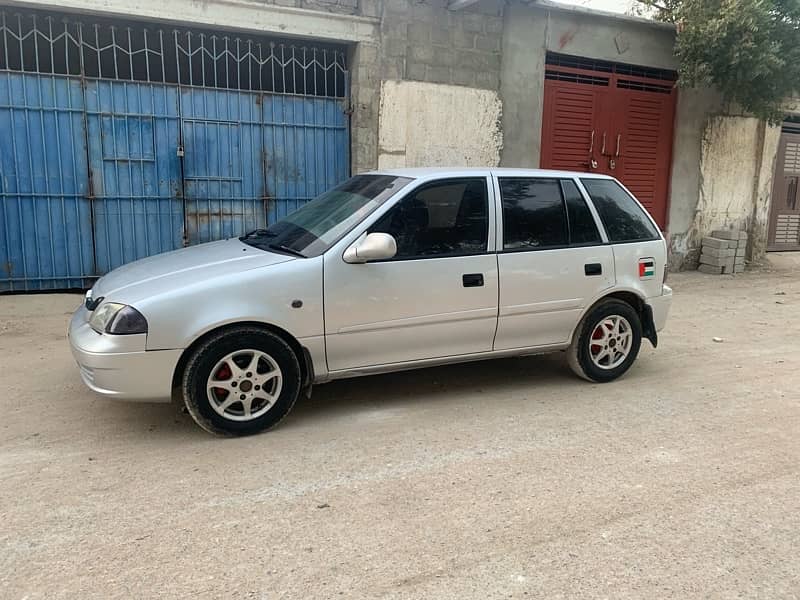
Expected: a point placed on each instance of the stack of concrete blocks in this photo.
(723, 252)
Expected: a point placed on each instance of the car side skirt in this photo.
(435, 362)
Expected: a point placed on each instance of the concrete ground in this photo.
(504, 479)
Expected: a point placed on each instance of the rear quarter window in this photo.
(623, 218)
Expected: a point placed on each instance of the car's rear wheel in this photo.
(241, 381)
(606, 342)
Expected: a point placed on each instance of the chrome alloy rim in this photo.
(244, 385)
(610, 342)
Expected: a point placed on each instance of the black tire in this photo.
(579, 351)
(214, 349)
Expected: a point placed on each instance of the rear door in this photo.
(553, 261)
(640, 253)
(437, 297)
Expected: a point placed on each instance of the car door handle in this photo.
(472, 279)
(593, 269)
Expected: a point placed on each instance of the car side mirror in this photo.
(373, 246)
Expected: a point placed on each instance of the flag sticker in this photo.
(647, 268)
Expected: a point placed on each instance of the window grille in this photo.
(59, 45)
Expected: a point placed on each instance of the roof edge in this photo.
(591, 12)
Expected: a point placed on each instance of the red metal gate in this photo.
(611, 118)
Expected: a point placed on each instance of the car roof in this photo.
(425, 172)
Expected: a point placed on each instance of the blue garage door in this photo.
(119, 142)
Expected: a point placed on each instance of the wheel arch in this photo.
(637, 302)
(303, 355)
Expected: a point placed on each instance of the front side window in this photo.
(442, 218)
(316, 226)
(623, 218)
(533, 214)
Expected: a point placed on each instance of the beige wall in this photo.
(431, 124)
(736, 166)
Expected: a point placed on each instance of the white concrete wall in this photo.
(727, 171)
(245, 15)
(762, 194)
(736, 168)
(431, 124)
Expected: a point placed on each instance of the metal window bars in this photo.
(60, 45)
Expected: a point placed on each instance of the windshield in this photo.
(316, 226)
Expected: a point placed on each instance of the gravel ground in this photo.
(500, 479)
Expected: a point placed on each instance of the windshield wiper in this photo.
(286, 249)
(258, 233)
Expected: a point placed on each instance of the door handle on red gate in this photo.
(593, 269)
(472, 279)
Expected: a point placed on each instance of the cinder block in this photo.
(462, 39)
(719, 252)
(488, 80)
(472, 22)
(422, 53)
(738, 268)
(490, 43)
(463, 77)
(440, 36)
(711, 270)
(713, 242)
(742, 236)
(717, 261)
(725, 234)
(419, 33)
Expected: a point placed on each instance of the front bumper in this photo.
(118, 366)
(660, 305)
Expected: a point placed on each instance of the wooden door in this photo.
(784, 225)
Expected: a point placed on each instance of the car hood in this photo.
(166, 272)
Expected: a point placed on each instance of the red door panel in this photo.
(644, 127)
(632, 121)
(572, 113)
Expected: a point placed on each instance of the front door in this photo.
(784, 220)
(437, 297)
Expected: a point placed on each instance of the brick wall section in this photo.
(420, 40)
(424, 41)
(365, 82)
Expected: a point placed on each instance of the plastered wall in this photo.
(737, 158)
(430, 124)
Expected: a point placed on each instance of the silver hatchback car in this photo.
(390, 270)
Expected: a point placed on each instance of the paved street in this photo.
(503, 479)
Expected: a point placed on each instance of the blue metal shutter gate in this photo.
(119, 142)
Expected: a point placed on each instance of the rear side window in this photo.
(623, 218)
(582, 228)
(533, 214)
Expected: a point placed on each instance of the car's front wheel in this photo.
(606, 342)
(241, 381)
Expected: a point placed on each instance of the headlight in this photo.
(119, 319)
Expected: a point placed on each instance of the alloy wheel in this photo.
(610, 342)
(244, 385)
